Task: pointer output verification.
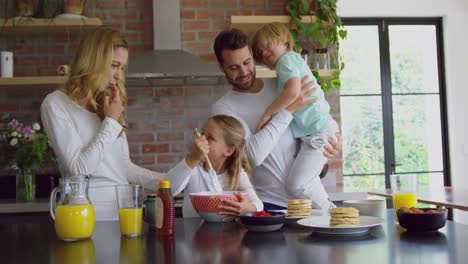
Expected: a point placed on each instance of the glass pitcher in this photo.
(74, 213)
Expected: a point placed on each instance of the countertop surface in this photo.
(196, 241)
(41, 205)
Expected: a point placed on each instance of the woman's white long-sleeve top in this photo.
(85, 144)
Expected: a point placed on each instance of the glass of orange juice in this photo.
(130, 201)
(404, 190)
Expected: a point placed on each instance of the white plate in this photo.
(321, 224)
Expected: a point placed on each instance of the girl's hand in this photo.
(199, 147)
(112, 105)
(263, 121)
(234, 209)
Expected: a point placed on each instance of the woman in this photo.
(84, 121)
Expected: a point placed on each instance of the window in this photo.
(393, 102)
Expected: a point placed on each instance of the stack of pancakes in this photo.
(344, 216)
(299, 208)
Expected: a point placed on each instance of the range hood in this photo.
(168, 60)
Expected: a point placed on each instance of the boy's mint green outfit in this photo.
(310, 119)
(314, 125)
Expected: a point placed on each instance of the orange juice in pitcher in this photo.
(74, 213)
(74, 221)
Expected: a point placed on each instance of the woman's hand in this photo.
(199, 148)
(334, 148)
(112, 105)
(234, 209)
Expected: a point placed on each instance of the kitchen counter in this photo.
(336, 194)
(196, 241)
(11, 206)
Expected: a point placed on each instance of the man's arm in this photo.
(260, 144)
(291, 91)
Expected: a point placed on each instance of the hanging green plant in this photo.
(323, 33)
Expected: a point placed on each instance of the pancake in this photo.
(299, 207)
(344, 217)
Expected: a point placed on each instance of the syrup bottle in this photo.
(165, 211)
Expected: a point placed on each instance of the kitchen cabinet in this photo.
(33, 26)
(250, 25)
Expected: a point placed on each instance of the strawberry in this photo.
(430, 211)
(261, 214)
(416, 211)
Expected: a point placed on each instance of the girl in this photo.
(223, 140)
(273, 46)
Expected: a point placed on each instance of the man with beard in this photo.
(271, 150)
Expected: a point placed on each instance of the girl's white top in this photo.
(198, 180)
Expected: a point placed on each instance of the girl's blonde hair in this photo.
(275, 33)
(91, 68)
(234, 135)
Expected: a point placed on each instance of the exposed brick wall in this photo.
(161, 119)
(203, 19)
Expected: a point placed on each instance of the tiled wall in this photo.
(161, 119)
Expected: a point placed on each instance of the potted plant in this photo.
(323, 34)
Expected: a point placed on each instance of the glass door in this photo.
(393, 102)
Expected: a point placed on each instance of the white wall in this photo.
(455, 22)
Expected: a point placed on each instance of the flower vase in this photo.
(25, 185)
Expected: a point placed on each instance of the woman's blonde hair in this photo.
(234, 135)
(90, 68)
(275, 33)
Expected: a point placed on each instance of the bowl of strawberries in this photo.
(263, 221)
(422, 219)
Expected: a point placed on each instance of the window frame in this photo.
(384, 51)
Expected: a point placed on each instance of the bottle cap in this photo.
(165, 184)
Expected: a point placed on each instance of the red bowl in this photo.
(207, 204)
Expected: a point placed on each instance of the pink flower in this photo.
(26, 131)
(13, 123)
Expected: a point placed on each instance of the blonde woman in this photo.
(84, 121)
(223, 141)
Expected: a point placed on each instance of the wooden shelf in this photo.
(325, 74)
(250, 24)
(41, 25)
(30, 81)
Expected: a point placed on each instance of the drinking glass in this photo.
(404, 190)
(130, 201)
